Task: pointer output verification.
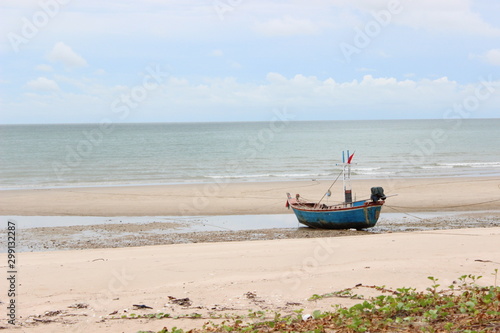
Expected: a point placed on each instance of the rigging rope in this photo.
(330, 187)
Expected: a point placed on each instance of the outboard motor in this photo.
(377, 194)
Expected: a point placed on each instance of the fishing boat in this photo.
(345, 215)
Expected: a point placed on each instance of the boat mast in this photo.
(346, 173)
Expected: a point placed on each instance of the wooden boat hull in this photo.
(358, 217)
(346, 215)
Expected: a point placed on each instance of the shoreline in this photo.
(56, 233)
(414, 194)
(223, 182)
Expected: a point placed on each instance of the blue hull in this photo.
(347, 218)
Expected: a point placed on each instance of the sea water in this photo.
(73, 155)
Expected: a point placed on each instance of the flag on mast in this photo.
(350, 158)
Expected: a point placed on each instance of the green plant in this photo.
(463, 308)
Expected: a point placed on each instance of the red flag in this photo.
(350, 159)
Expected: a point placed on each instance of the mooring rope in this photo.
(397, 210)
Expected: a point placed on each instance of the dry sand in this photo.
(436, 194)
(89, 290)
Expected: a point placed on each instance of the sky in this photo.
(67, 61)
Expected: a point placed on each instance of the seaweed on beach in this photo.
(463, 307)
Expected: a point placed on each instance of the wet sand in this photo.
(85, 233)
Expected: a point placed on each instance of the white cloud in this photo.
(235, 65)
(365, 69)
(179, 33)
(174, 81)
(382, 93)
(493, 57)
(43, 84)
(230, 99)
(287, 26)
(100, 72)
(44, 68)
(64, 54)
(276, 78)
(455, 16)
(217, 53)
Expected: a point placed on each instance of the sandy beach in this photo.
(167, 166)
(91, 290)
(422, 194)
(209, 278)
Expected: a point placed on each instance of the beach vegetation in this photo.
(464, 306)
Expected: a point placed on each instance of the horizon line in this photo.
(239, 121)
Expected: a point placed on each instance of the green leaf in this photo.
(316, 314)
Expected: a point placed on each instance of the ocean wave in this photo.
(381, 173)
(437, 166)
(375, 171)
(471, 165)
(269, 175)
